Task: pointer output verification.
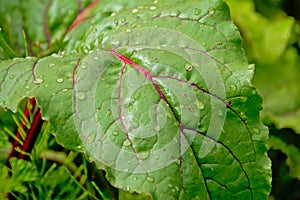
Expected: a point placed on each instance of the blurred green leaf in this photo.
(269, 44)
(292, 153)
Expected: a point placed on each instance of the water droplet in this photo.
(127, 188)
(65, 90)
(134, 178)
(256, 130)
(128, 30)
(38, 81)
(11, 76)
(123, 19)
(197, 11)
(233, 87)
(181, 106)
(108, 113)
(115, 133)
(254, 92)
(150, 179)
(94, 30)
(170, 185)
(243, 99)
(126, 143)
(152, 7)
(155, 2)
(156, 157)
(200, 105)
(188, 67)
(113, 14)
(80, 95)
(91, 137)
(204, 44)
(96, 58)
(211, 11)
(116, 22)
(144, 155)
(135, 10)
(60, 80)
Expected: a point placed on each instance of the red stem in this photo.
(32, 133)
(81, 16)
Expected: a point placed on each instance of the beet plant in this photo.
(156, 94)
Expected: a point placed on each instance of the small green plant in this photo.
(157, 94)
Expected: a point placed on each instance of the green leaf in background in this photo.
(158, 95)
(44, 23)
(291, 152)
(269, 43)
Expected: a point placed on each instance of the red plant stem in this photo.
(25, 118)
(32, 134)
(81, 16)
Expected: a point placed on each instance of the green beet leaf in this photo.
(157, 95)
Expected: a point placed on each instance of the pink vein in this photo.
(141, 70)
(161, 94)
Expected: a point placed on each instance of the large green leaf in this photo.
(158, 95)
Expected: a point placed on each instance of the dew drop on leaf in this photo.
(150, 179)
(60, 80)
(197, 11)
(144, 155)
(11, 76)
(115, 133)
(152, 7)
(211, 11)
(108, 113)
(200, 105)
(91, 137)
(233, 87)
(256, 130)
(135, 10)
(80, 95)
(126, 143)
(38, 81)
